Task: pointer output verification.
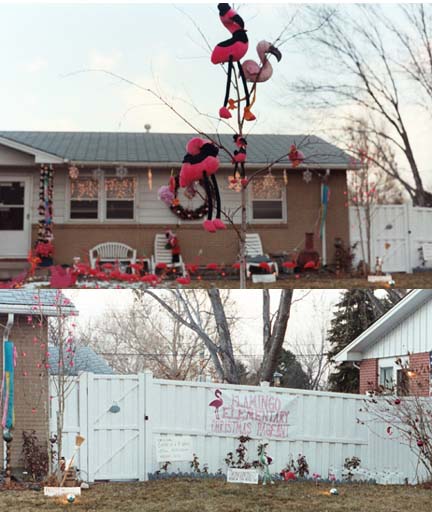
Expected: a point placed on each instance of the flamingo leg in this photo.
(208, 191)
(228, 84)
(217, 196)
(245, 87)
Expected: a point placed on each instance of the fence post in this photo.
(90, 424)
(146, 421)
(82, 383)
(408, 250)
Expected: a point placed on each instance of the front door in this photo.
(14, 217)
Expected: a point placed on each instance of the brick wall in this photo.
(31, 384)
(419, 384)
(303, 204)
(368, 375)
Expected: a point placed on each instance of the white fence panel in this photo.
(122, 417)
(397, 234)
(323, 426)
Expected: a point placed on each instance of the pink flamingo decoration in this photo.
(230, 51)
(217, 403)
(255, 72)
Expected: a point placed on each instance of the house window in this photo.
(386, 377)
(106, 198)
(84, 198)
(267, 201)
(120, 195)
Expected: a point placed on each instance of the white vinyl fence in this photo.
(123, 417)
(397, 234)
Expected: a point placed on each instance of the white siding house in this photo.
(404, 333)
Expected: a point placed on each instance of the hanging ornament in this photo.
(307, 176)
(73, 172)
(285, 177)
(121, 171)
(98, 174)
(150, 179)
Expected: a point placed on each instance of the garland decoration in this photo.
(45, 210)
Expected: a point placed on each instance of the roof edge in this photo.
(395, 316)
(41, 157)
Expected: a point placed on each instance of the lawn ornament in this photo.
(217, 402)
(173, 245)
(200, 164)
(265, 461)
(70, 498)
(230, 51)
(334, 492)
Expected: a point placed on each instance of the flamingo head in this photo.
(264, 47)
(194, 146)
(218, 393)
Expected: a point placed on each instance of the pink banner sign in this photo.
(258, 415)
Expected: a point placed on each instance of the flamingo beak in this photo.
(274, 51)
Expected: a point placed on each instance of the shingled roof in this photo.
(85, 359)
(28, 302)
(169, 148)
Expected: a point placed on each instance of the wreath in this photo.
(169, 195)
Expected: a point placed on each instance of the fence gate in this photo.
(397, 235)
(110, 412)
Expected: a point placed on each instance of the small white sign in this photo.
(174, 448)
(55, 492)
(380, 279)
(242, 476)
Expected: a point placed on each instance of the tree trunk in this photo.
(226, 353)
(273, 346)
(266, 317)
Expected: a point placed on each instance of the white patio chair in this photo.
(163, 255)
(112, 252)
(254, 249)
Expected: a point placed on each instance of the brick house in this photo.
(101, 204)
(396, 351)
(24, 318)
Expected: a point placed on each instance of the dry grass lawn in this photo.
(217, 496)
(321, 280)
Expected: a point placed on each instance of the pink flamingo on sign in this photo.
(217, 403)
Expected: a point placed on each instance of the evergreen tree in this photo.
(356, 311)
(293, 375)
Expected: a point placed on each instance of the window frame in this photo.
(102, 201)
(390, 362)
(251, 200)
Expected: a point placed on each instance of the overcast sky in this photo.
(156, 45)
(304, 323)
